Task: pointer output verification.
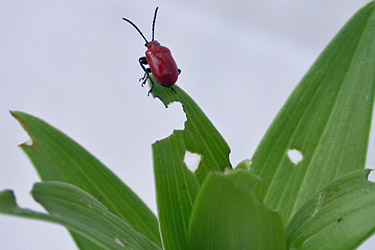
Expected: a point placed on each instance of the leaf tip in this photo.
(19, 117)
(7, 200)
(29, 143)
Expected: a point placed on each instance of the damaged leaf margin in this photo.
(176, 185)
(199, 135)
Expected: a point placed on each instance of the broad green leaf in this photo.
(327, 119)
(340, 216)
(226, 215)
(81, 213)
(56, 157)
(176, 185)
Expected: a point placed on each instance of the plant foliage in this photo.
(325, 201)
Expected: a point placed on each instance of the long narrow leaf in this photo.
(327, 119)
(226, 215)
(176, 185)
(56, 157)
(81, 213)
(340, 216)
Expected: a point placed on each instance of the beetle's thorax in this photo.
(152, 44)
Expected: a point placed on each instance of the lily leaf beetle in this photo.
(159, 58)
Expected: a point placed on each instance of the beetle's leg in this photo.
(143, 62)
(152, 84)
(152, 88)
(173, 90)
(144, 78)
(179, 71)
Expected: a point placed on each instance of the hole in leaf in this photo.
(295, 156)
(166, 121)
(192, 160)
(371, 176)
(176, 116)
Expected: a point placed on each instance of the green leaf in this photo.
(199, 136)
(176, 185)
(56, 157)
(79, 212)
(340, 216)
(327, 119)
(226, 215)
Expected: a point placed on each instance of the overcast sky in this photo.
(75, 65)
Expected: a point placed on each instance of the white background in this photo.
(75, 65)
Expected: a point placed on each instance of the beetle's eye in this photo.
(146, 44)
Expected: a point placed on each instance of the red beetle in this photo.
(162, 65)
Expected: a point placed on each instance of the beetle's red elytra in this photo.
(159, 59)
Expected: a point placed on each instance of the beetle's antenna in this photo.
(135, 26)
(153, 23)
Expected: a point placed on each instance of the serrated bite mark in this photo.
(179, 115)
